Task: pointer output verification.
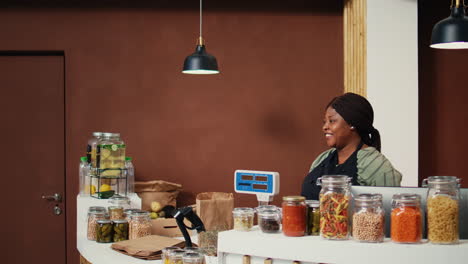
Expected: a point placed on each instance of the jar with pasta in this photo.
(406, 218)
(243, 218)
(166, 252)
(175, 257)
(442, 209)
(140, 225)
(95, 213)
(335, 197)
(368, 218)
(294, 216)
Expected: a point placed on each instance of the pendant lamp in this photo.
(452, 32)
(200, 62)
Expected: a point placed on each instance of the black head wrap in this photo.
(358, 112)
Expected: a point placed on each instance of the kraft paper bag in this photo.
(215, 211)
(148, 247)
(160, 191)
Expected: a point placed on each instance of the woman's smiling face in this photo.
(337, 132)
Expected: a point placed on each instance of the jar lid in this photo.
(140, 213)
(269, 213)
(130, 211)
(243, 211)
(266, 207)
(335, 179)
(96, 209)
(115, 207)
(312, 203)
(192, 255)
(97, 134)
(103, 221)
(107, 134)
(177, 253)
(369, 197)
(120, 221)
(406, 197)
(118, 197)
(293, 198)
(442, 179)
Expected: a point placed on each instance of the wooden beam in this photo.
(355, 46)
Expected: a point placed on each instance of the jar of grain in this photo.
(140, 225)
(95, 213)
(406, 218)
(116, 213)
(442, 209)
(243, 218)
(368, 218)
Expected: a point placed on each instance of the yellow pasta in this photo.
(442, 219)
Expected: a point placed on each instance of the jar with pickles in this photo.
(243, 218)
(294, 216)
(120, 230)
(95, 213)
(104, 231)
(313, 217)
(335, 198)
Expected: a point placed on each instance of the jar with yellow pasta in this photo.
(442, 209)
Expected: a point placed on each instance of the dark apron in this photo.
(329, 166)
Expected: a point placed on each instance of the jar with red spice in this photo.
(335, 198)
(406, 218)
(294, 216)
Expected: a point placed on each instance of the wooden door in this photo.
(32, 158)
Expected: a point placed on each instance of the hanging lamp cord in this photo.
(200, 39)
(457, 3)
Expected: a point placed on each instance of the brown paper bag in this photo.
(215, 211)
(148, 247)
(161, 191)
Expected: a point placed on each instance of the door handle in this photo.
(56, 197)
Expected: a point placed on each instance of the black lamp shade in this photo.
(200, 62)
(452, 32)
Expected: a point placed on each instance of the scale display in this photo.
(256, 182)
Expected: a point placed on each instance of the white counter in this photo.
(232, 245)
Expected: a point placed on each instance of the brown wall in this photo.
(442, 100)
(279, 67)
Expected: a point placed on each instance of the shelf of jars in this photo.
(233, 245)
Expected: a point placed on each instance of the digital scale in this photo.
(264, 184)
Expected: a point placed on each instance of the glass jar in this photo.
(110, 155)
(176, 255)
(140, 225)
(442, 209)
(313, 218)
(294, 216)
(120, 230)
(243, 218)
(119, 200)
(368, 218)
(166, 252)
(95, 213)
(193, 258)
(269, 220)
(265, 207)
(115, 212)
(335, 197)
(104, 231)
(91, 148)
(406, 218)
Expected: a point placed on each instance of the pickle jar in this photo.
(269, 220)
(294, 216)
(193, 258)
(175, 256)
(406, 218)
(335, 198)
(104, 231)
(166, 252)
(243, 218)
(442, 207)
(110, 155)
(94, 213)
(368, 218)
(120, 230)
(140, 225)
(313, 218)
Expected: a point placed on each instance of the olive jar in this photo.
(269, 220)
(368, 218)
(313, 218)
(442, 207)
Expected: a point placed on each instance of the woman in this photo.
(355, 147)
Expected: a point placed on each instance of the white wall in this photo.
(392, 80)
